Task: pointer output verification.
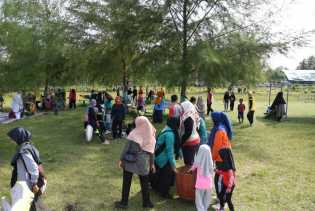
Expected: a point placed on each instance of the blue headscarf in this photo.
(221, 122)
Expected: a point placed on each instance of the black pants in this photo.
(158, 116)
(163, 179)
(209, 108)
(189, 154)
(117, 128)
(250, 117)
(144, 182)
(232, 105)
(221, 193)
(72, 104)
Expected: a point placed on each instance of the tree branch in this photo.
(202, 19)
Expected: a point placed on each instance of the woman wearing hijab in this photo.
(17, 105)
(138, 158)
(118, 116)
(278, 106)
(204, 166)
(27, 172)
(166, 151)
(201, 107)
(251, 108)
(219, 141)
(188, 129)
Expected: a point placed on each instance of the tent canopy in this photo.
(300, 76)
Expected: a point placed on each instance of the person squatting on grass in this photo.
(204, 166)
(28, 181)
(190, 139)
(219, 141)
(138, 158)
(118, 116)
(251, 108)
(167, 150)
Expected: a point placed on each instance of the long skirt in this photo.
(163, 179)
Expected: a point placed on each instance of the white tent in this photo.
(300, 76)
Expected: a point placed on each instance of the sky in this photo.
(298, 15)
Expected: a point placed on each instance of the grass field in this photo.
(275, 162)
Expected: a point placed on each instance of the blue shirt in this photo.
(160, 107)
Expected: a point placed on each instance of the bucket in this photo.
(185, 183)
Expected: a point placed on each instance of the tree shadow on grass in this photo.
(290, 120)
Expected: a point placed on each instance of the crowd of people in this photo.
(151, 156)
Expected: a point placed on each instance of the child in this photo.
(108, 109)
(158, 110)
(241, 109)
(140, 103)
(118, 115)
(204, 166)
(174, 109)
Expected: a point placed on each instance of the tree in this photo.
(34, 44)
(307, 64)
(123, 34)
(201, 20)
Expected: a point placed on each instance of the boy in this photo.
(174, 109)
(241, 110)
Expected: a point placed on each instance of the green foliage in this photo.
(307, 64)
(276, 75)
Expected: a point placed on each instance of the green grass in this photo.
(275, 162)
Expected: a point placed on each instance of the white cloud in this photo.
(298, 16)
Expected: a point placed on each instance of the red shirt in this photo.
(241, 107)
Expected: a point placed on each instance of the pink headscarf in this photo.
(143, 134)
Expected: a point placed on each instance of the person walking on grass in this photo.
(138, 158)
(232, 101)
(251, 108)
(204, 166)
(209, 101)
(72, 99)
(241, 110)
(201, 107)
(167, 150)
(220, 144)
(28, 180)
(226, 100)
(118, 116)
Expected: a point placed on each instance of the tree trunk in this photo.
(184, 53)
(125, 77)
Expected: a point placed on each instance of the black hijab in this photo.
(22, 138)
(174, 123)
(20, 135)
(278, 100)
